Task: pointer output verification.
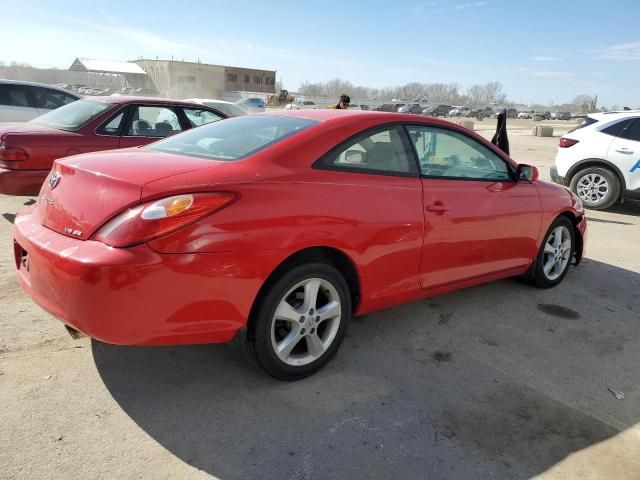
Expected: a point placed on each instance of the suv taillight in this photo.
(567, 142)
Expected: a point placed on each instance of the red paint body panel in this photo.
(198, 284)
(44, 144)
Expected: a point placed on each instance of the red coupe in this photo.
(28, 150)
(275, 229)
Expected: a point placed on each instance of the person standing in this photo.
(343, 103)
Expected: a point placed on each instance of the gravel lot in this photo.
(497, 381)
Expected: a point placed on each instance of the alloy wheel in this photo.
(306, 321)
(592, 188)
(557, 252)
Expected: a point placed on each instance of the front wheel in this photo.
(554, 257)
(597, 187)
(301, 321)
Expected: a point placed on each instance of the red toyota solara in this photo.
(275, 229)
(28, 150)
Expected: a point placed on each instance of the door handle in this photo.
(628, 151)
(438, 208)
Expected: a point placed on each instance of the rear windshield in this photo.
(585, 123)
(73, 116)
(233, 139)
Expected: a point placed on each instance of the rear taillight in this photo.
(157, 218)
(567, 142)
(12, 154)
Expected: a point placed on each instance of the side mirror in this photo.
(527, 173)
(355, 156)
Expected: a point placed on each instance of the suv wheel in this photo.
(597, 187)
(301, 322)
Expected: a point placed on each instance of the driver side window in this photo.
(448, 154)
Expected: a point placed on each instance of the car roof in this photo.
(121, 99)
(209, 100)
(333, 115)
(608, 116)
(37, 84)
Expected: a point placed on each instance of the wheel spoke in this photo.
(286, 312)
(566, 245)
(557, 237)
(329, 311)
(288, 343)
(314, 345)
(548, 248)
(311, 289)
(548, 265)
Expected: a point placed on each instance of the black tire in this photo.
(613, 187)
(259, 342)
(538, 276)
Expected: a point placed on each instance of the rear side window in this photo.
(381, 151)
(585, 123)
(617, 128)
(49, 98)
(14, 95)
(199, 116)
(632, 132)
(153, 121)
(113, 125)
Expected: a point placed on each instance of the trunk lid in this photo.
(84, 191)
(27, 127)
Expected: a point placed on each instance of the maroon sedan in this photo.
(28, 150)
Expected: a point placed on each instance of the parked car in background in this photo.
(411, 108)
(560, 116)
(301, 105)
(273, 230)
(390, 107)
(539, 116)
(480, 113)
(525, 114)
(228, 108)
(252, 105)
(22, 101)
(599, 160)
(27, 150)
(511, 112)
(437, 110)
(460, 112)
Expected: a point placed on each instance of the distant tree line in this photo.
(489, 94)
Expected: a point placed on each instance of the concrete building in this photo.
(175, 79)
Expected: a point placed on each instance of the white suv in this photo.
(599, 160)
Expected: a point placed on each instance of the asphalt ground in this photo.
(497, 381)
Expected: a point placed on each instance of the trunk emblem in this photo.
(54, 179)
(71, 231)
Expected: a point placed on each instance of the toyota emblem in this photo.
(54, 179)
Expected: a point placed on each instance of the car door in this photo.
(478, 219)
(149, 123)
(16, 103)
(374, 179)
(624, 153)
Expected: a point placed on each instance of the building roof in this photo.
(90, 65)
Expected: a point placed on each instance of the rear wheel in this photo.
(301, 321)
(554, 257)
(597, 187)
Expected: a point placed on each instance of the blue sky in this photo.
(540, 50)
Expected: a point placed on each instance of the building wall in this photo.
(249, 80)
(179, 80)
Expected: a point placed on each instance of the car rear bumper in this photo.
(135, 296)
(21, 182)
(553, 172)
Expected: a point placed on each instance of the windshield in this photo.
(73, 116)
(234, 138)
